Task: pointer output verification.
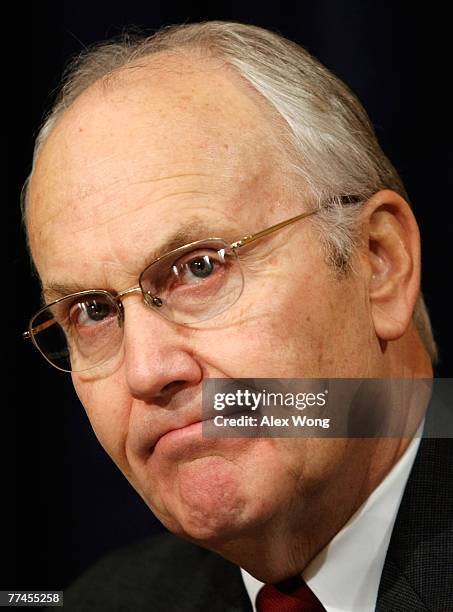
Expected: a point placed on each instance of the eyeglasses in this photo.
(190, 284)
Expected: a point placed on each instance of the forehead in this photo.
(157, 142)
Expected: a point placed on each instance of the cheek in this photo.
(107, 406)
(321, 331)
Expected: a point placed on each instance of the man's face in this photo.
(156, 148)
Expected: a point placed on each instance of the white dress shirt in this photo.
(345, 575)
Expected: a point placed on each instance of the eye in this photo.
(201, 267)
(91, 312)
(199, 271)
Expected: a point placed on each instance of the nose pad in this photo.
(152, 300)
(120, 313)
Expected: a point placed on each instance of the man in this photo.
(206, 134)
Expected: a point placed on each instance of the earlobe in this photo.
(393, 258)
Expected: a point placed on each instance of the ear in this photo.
(393, 260)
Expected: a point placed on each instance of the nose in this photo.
(157, 354)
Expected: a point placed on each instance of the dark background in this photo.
(64, 503)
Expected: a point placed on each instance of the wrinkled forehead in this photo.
(162, 137)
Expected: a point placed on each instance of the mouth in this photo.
(179, 435)
(182, 434)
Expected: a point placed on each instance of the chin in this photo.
(208, 500)
(214, 490)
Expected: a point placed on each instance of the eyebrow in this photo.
(191, 230)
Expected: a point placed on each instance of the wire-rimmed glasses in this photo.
(187, 285)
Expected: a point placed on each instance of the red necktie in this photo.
(291, 595)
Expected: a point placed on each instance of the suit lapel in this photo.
(395, 592)
(417, 571)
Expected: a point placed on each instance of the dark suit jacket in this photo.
(167, 574)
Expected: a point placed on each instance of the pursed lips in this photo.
(146, 433)
(183, 411)
(173, 429)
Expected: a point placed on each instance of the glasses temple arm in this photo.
(39, 328)
(252, 237)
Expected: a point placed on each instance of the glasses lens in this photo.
(78, 332)
(194, 283)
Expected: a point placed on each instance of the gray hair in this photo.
(334, 148)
